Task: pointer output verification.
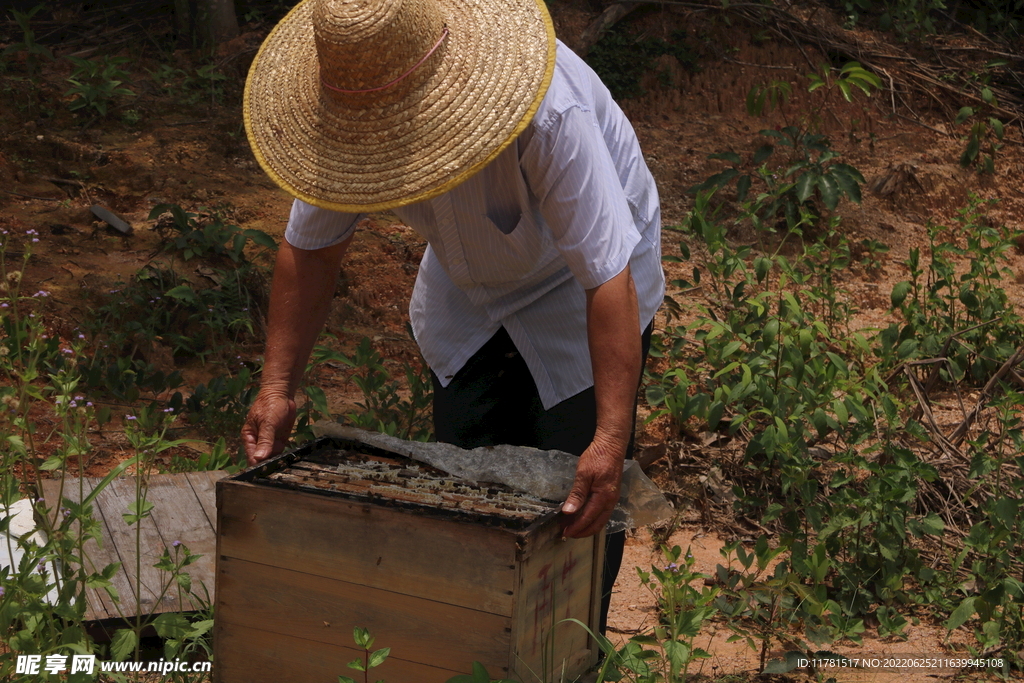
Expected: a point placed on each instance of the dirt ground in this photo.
(197, 156)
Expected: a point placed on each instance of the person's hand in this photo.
(268, 426)
(595, 492)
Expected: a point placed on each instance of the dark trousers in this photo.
(493, 400)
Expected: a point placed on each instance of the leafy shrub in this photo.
(96, 83)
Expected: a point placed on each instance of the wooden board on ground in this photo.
(184, 505)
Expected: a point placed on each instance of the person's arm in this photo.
(300, 297)
(614, 338)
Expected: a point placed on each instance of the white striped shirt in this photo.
(563, 209)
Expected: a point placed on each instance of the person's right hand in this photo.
(268, 426)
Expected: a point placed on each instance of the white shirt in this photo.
(561, 210)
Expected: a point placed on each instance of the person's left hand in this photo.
(595, 492)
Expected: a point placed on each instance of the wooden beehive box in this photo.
(445, 572)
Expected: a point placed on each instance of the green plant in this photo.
(387, 406)
(370, 660)
(96, 83)
(984, 127)
(664, 653)
(220, 405)
(205, 235)
(479, 675)
(954, 305)
(32, 49)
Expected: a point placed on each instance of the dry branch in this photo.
(986, 393)
(907, 72)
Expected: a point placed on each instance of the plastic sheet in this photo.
(544, 474)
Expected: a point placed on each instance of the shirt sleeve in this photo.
(310, 227)
(570, 170)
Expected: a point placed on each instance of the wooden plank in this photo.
(326, 610)
(178, 516)
(147, 587)
(99, 604)
(249, 655)
(554, 582)
(461, 564)
(204, 484)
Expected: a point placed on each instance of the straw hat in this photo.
(365, 105)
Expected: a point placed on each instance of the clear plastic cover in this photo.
(544, 474)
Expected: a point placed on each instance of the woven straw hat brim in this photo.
(496, 66)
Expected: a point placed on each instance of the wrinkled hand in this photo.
(268, 426)
(595, 492)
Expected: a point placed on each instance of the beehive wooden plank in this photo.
(97, 555)
(554, 582)
(204, 484)
(326, 611)
(250, 655)
(178, 516)
(461, 564)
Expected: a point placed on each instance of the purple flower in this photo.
(672, 567)
(176, 544)
(65, 511)
(35, 239)
(81, 336)
(2, 591)
(88, 404)
(129, 417)
(72, 405)
(168, 410)
(4, 305)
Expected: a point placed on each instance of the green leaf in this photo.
(963, 612)
(971, 151)
(171, 625)
(731, 157)
(762, 153)
(742, 187)
(804, 187)
(829, 191)
(345, 679)
(123, 644)
(964, 114)
(715, 415)
(378, 657)
(987, 96)
(356, 664)
(182, 293)
(899, 293)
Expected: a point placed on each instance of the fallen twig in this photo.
(961, 431)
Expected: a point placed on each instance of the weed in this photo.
(954, 306)
(32, 49)
(984, 129)
(792, 199)
(370, 660)
(96, 83)
(202, 236)
(384, 408)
